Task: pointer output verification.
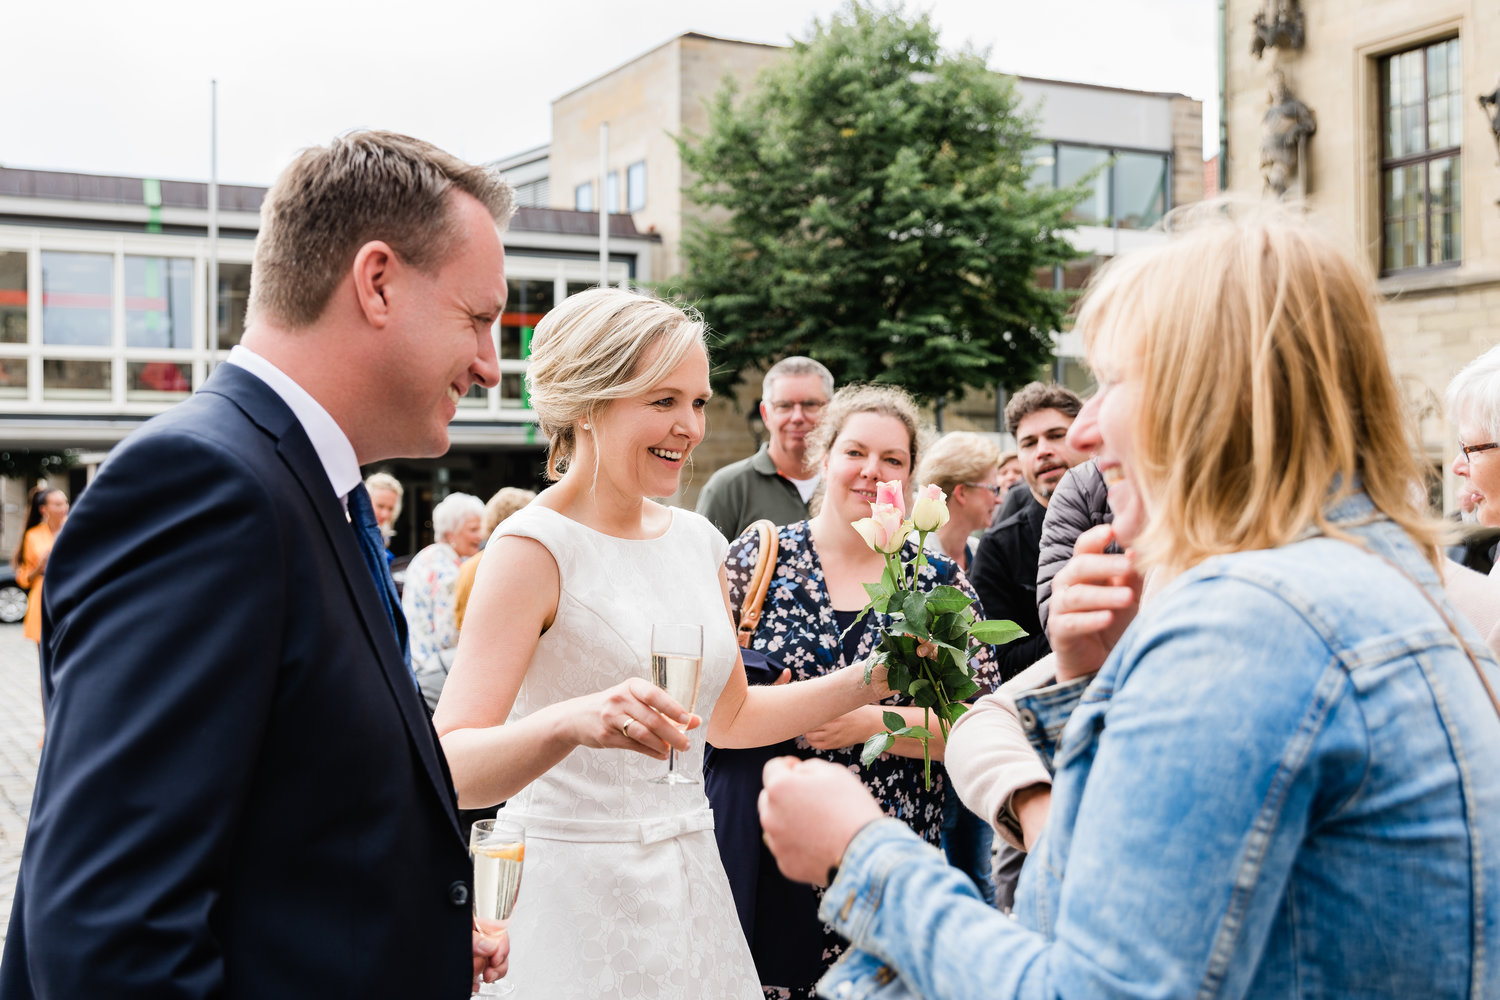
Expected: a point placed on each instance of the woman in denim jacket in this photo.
(1282, 781)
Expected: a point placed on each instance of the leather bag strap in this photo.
(760, 581)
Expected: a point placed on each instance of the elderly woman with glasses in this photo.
(1474, 406)
(966, 467)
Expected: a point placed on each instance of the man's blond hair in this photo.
(1266, 393)
(364, 186)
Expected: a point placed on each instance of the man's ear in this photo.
(374, 268)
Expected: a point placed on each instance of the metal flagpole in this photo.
(213, 218)
(603, 203)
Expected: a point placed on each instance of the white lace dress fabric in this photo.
(623, 894)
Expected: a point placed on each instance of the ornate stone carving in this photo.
(1284, 131)
(1491, 104)
(1277, 25)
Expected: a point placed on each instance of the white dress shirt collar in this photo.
(328, 439)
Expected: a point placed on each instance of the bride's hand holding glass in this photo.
(633, 715)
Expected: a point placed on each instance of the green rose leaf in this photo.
(946, 600)
(914, 610)
(948, 627)
(892, 720)
(924, 693)
(874, 747)
(952, 672)
(951, 658)
(918, 733)
(997, 633)
(954, 711)
(964, 691)
(898, 675)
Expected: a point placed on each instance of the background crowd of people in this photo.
(1242, 750)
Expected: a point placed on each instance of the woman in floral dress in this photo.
(870, 434)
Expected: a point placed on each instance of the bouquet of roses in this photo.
(933, 632)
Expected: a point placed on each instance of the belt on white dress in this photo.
(649, 830)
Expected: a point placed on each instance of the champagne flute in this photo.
(676, 668)
(499, 849)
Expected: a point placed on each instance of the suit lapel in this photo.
(261, 404)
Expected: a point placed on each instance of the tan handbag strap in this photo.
(760, 581)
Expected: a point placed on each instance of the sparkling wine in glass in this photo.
(499, 849)
(676, 668)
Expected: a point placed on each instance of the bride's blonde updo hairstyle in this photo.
(598, 346)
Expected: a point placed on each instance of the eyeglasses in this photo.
(1470, 450)
(994, 491)
(811, 407)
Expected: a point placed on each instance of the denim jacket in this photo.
(1284, 782)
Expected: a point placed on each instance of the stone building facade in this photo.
(646, 102)
(1404, 162)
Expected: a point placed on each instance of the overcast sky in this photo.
(107, 87)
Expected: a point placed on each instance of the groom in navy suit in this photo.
(240, 794)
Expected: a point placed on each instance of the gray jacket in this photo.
(1077, 505)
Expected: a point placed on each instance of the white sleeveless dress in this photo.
(623, 893)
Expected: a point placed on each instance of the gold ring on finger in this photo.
(625, 728)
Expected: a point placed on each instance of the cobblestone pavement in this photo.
(20, 728)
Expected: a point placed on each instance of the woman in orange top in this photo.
(45, 515)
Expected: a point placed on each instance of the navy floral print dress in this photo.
(797, 628)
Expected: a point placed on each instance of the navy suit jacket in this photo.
(240, 793)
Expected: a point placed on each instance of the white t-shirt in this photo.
(805, 487)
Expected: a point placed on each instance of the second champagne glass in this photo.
(499, 849)
(676, 667)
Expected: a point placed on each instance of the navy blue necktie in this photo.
(372, 547)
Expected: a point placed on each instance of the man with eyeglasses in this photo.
(777, 481)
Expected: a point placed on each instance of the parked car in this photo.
(12, 597)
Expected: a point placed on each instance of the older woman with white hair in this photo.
(1474, 406)
(428, 594)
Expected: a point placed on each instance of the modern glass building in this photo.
(106, 319)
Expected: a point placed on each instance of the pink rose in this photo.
(890, 493)
(885, 530)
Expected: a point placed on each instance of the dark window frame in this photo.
(1113, 221)
(1424, 159)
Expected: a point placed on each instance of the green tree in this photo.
(866, 204)
(31, 466)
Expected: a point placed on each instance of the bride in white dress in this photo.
(550, 705)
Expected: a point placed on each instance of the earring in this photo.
(586, 426)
